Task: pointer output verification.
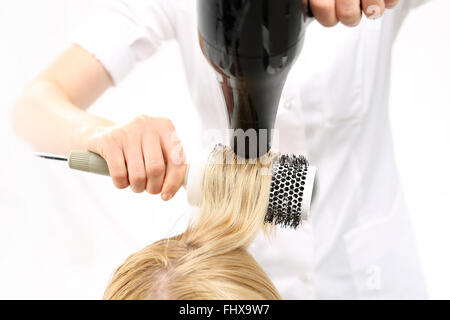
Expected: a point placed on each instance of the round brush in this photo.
(291, 190)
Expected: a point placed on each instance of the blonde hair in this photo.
(210, 259)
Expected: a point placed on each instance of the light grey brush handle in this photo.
(91, 162)
(88, 162)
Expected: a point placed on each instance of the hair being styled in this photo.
(210, 259)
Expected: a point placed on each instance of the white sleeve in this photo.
(125, 32)
(414, 3)
(401, 11)
(407, 5)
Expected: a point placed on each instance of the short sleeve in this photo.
(122, 33)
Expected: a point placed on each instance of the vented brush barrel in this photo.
(291, 191)
(252, 45)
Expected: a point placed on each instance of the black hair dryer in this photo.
(252, 44)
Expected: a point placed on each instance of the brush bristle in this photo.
(289, 174)
(286, 191)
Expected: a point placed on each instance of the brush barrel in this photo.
(291, 191)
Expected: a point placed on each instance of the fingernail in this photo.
(166, 196)
(373, 12)
(391, 5)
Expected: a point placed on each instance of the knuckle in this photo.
(349, 15)
(119, 176)
(110, 147)
(132, 128)
(120, 184)
(115, 137)
(103, 143)
(166, 122)
(156, 169)
(143, 119)
(137, 189)
(138, 179)
(325, 12)
(350, 18)
(324, 6)
(333, 23)
(390, 3)
(136, 126)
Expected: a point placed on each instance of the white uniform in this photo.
(358, 242)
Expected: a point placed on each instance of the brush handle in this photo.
(91, 162)
(88, 162)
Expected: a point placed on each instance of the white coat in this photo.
(358, 243)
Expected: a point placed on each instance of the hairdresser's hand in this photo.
(136, 154)
(331, 12)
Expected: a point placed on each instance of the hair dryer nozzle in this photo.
(252, 46)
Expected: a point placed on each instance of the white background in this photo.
(63, 233)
